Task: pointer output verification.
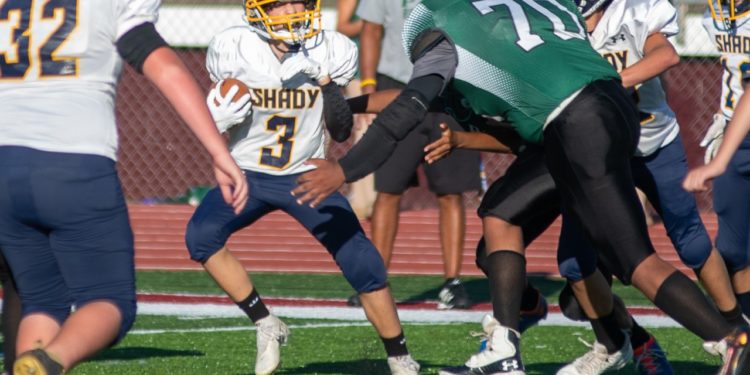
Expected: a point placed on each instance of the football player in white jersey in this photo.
(728, 153)
(294, 71)
(632, 36)
(64, 226)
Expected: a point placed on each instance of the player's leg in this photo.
(592, 294)
(82, 254)
(522, 198)
(11, 315)
(732, 204)
(335, 226)
(596, 185)
(449, 178)
(660, 177)
(209, 228)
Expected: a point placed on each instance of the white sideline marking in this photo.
(358, 315)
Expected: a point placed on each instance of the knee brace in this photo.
(694, 253)
(362, 266)
(204, 239)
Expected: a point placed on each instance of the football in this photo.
(227, 84)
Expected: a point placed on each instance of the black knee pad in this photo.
(569, 305)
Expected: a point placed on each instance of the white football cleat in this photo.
(271, 334)
(403, 365)
(597, 360)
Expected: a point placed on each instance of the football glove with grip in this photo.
(301, 64)
(712, 140)
(227, 113)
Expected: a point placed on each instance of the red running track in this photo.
(277, 243)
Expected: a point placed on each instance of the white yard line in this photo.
(357, 315)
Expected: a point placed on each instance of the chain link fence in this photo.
(160, 160)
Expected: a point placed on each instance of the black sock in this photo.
(638, 335)
(734, 316)
(744, 301)
(530, 298)
(254, 307)
(396, 346)
(608, 332)
(507, 277)
(681, 299)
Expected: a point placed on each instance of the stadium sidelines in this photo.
(190, 305)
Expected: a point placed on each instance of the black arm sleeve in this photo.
(138, 43)
(358, 104)
(391, 126)
(336, 112)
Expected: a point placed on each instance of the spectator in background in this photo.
(361, 193)
(384, 65)
(64, 226)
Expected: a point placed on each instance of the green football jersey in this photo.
(518, 59)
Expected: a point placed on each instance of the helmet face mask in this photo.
(728, 11)
(289, 28)
(589, 7)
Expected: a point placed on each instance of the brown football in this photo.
(227, 84)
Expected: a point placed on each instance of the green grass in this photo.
(405, 288)
(187, 346)
(348, 350)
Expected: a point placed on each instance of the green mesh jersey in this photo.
(518, 59)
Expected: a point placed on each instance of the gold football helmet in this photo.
(728, 11)
(291, 28)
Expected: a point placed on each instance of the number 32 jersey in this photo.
(59, 69)
(285, 128)
(620, 36)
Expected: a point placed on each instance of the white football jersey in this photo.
(620, 37)
(59, 68)
(285, 128)
(734, 46)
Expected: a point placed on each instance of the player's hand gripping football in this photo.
(231, 181)
(441, 147)
(305, 65)
(227, 113)
(714, 135)
(316, 185)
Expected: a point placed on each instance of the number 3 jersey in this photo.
(733, 43)
(59, 69)
(620, 36)
(285, 128)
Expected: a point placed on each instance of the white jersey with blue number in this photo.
(59, 68)
(734, 46)
(620, 36)
(285, 128)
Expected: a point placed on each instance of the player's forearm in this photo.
(659, 55)
(369, 52)
(374, 102)
(167, 72)
(736, 131)
(480, 142)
